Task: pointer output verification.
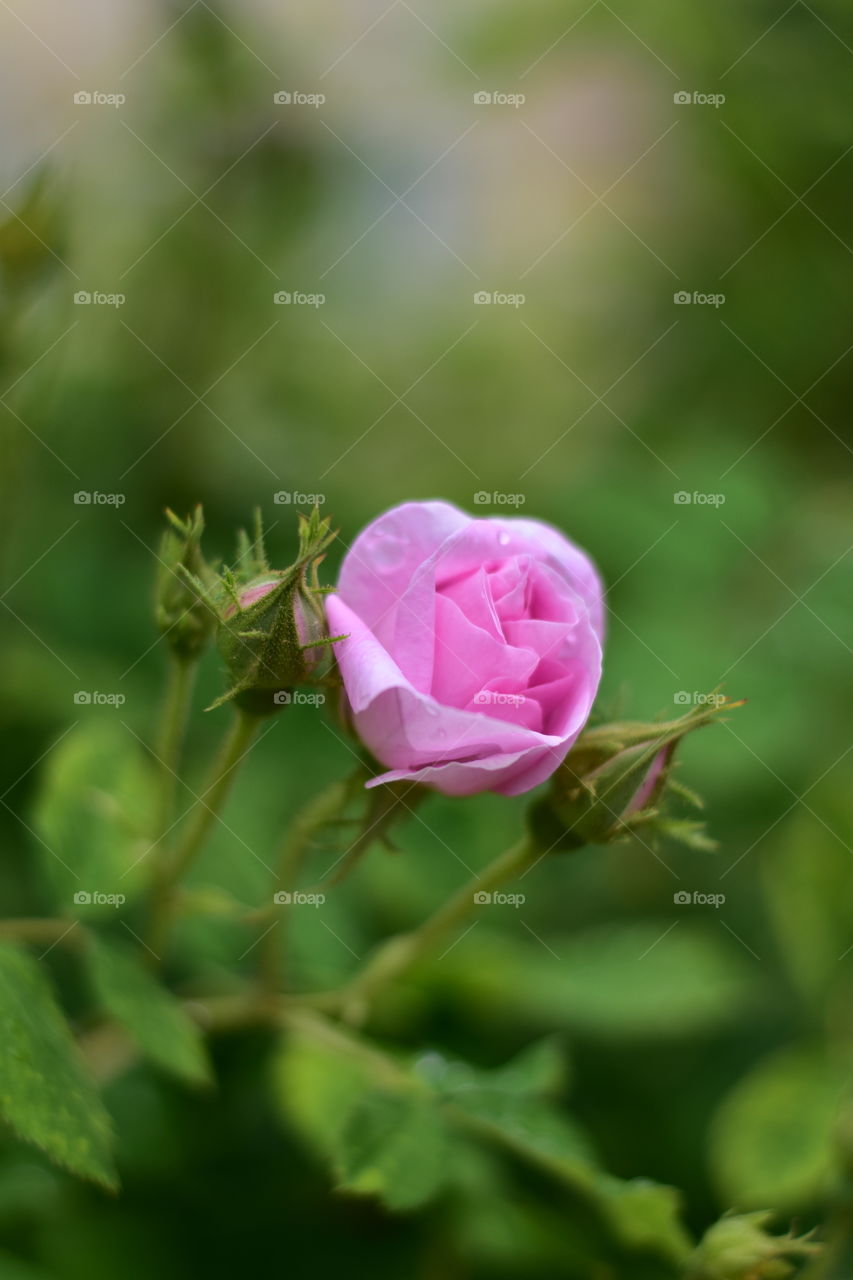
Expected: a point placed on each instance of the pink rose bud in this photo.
(613, 780)
(473, 647)
(271, 622)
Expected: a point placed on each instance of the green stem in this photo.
(175, 713)
(400, 953)
(40, 930)
(321, 809)
(202, 817)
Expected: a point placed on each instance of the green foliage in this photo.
(773, 1138)
(391, 1127)
(93, 813)
(45, 1092)
(700, 399)
(808, 881)
(130, 993)
(641, 979)
(394, 1145)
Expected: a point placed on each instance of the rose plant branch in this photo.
(463, 656)
(402, 952)
(180, 681)
(204, 813)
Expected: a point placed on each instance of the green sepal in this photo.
(612, 781)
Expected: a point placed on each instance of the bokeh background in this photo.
(708, 1043)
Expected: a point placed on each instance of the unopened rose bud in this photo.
(182, 616)
(738, 1248)
(612, 781)
(272, 629)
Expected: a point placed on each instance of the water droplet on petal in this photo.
(504, 539)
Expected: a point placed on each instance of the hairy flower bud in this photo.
(612, 781)
(271, 623)
(738, 1248)
(182, 616)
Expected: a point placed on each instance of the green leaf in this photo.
(387, 1126)
(155, 1019)
(93, 815)
(647, 978)
(772, 1137)
(644, 1215)
(377, 1128)
(811, 897)
(506, 1106)
(539, 1069)
(394, 1145)
(45, 1093)
(316, 1086)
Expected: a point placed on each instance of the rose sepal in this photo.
(614, 781)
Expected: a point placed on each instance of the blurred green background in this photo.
(707, 1044)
